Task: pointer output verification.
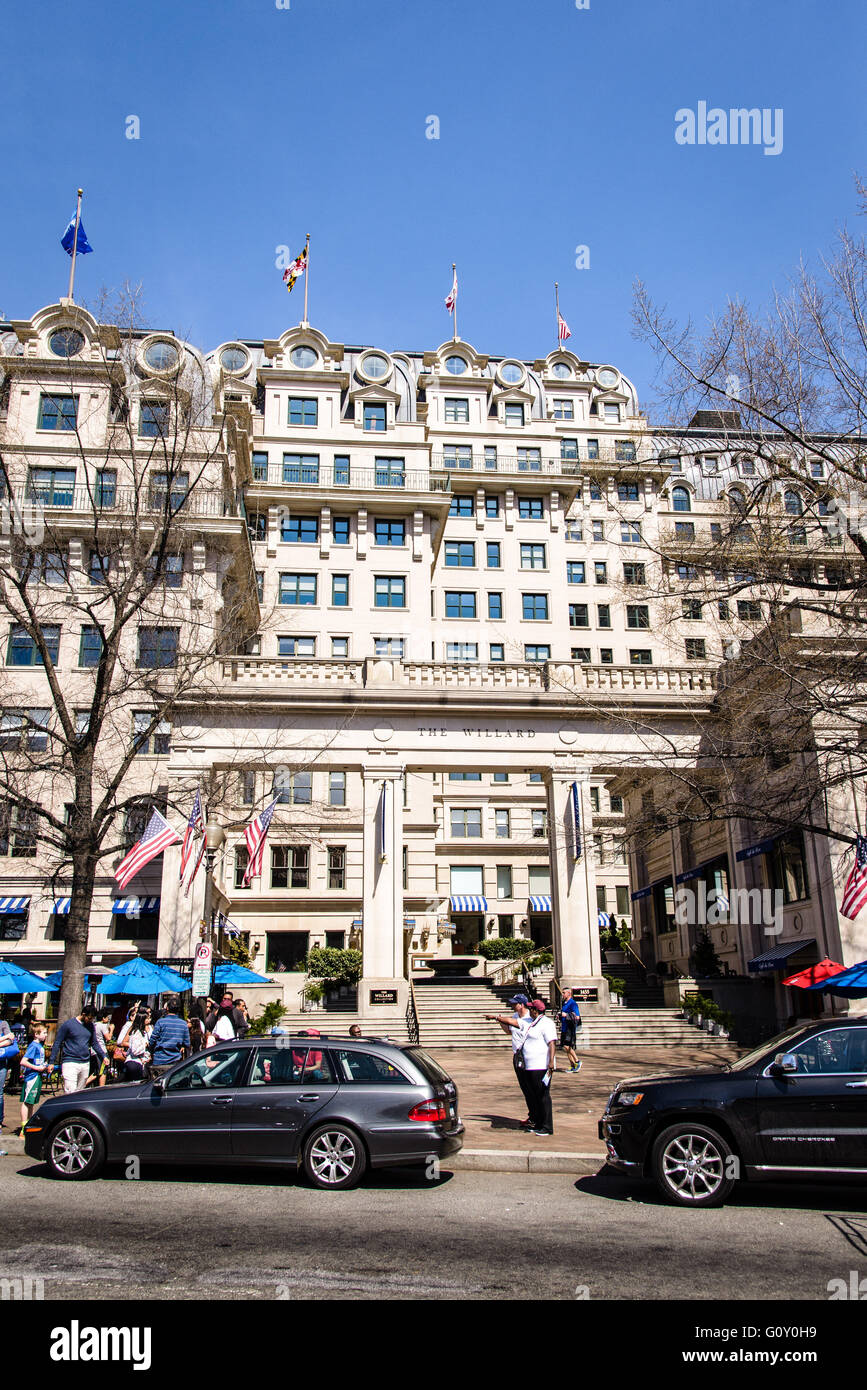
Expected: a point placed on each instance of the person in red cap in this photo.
(540, 1060)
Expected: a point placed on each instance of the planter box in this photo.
(615, 957)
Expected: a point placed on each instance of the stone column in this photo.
(382, 949)
(577, 953)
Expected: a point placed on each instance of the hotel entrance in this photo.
(469, 931)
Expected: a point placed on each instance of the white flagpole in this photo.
(454, 282)
(75, 243)
(557, 311)
(306, 277)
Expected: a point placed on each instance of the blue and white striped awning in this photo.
(542, 904)
(605, 919)
(468, 904)
(61, 907)
(134, 907)
(14, 904)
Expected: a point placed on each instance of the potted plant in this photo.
(313, 995)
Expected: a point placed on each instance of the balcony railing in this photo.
(127, 501)
(565, 465)
(346, 477)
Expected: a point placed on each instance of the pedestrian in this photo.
(224, 1028)
(212, 1010)
(103, 1028)
(515, 1025)
(570, 1021)
(539, 1050)
(197, 1033)
(241, 1019)
(73, 1045)
(8, 1053)
(33, 1069)
(355, 1030)
(133, 1045)
(169, 1042)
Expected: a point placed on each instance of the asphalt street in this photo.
(230, 1233)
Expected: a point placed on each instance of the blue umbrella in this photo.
(141, 977)
(56, 978)
(14, 979)
(238, 975)
(851, 982)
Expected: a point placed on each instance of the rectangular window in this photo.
(257, 526)
(301, 468)
(462, 651)
(297, 590)
(529, 460)
(157, 743)
(581, 654)
(260, 466)
(24, 729)
(533, 557)
(106, 487)
(290, 867)
(592, 453)
(640, 657)
(340, 590)
(491, 458)
(17, 839)
(695, 649)
(749, 610)
(574, 571)
(531, 508)
(684, 530)
(296, 646)
(617, 805)
(612, 411)
(574, 531)
(341, 470)
(723, 609)
(457, 456)
(465, 777)
(303, 410)
(90, 647)
(630, 533)
(600, 572)
(691, 610)
(58, 412)
(340, 647)
(514, 415)
(389, 647)
(606, 656)
(462, 506)
(294, 789)
(495, 605)
(603, 615)
(601, 892)
(594, 798)
(336, 866)
(493, 555)
(564, 410)
(374, 417)
(337, 789)
(390, 472)
(492, 506)
(598, 530)
(340, 530)
(502, 826)
(300, 529)
(55, 487)
(157, 647)
(788, 867)
(540, 825)
(633, 574)
(637, 615)
(500, 777)
(537, 651)
(388, 532)
(389, 591)
(627, 492)
(242, 859)
(248, 787)
(579, 615)
(534, 607)
(460, 554)
(457, 411)
(498, 651)
(466, 822)
(460, 603)
(504, 880)
(154, 419)
(260, 585)
(622, 894)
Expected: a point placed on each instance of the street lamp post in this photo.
(215, 837)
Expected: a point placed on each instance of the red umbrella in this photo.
(814, 973)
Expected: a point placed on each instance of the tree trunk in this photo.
(78, 924)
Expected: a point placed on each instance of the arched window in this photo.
(737, 504)
(680, 500)
(793, 504)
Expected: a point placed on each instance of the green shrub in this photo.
(269, 1017)
(330, 963)
(616, 985)
(504, 947)
(539, 959)
(314, 993)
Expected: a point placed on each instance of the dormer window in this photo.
(455, 365)
(66, 342)
(303, 410)
(514, 415)
(457, 411)
(512, 373)
(612, 411)
(161, 356)
(374, 366)
(303, 356)
(154, 419)
(561, 370)
(375, 416)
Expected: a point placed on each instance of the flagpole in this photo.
(306, 276)
(557, 311)
(75, 244)
(454, 272)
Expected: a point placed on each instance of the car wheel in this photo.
(76, 1149)
(691, 1165)
(334, 1157)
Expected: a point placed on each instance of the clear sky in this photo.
(556, 130)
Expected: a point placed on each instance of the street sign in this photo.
(202, 968)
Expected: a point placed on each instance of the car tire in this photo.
(75, 1149)
(691, 1165)
(334, 1157)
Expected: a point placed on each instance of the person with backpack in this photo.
(570, 1022)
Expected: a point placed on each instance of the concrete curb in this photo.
(525, 1161)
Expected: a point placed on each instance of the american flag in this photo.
(452, 296)
(255, 836)
(198, 864)
(563, 331)
(855, 891)
(158, 836)
(194, 824)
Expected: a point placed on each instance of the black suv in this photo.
(796, 1107)
(334, 1106)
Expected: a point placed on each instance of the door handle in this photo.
(308, 1095)
(222, 1100)
(856, 1085)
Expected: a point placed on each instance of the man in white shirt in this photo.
(517, 1024)
(540, 1052)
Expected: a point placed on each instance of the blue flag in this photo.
(82, 246)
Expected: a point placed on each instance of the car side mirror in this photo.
(785, 1062)
(160, 1084)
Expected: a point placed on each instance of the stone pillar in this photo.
(577, 953)
(382, 933)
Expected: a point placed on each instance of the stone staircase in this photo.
(639, 994)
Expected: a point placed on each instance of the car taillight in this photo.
(429, 1110)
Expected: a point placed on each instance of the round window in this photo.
(161, 356)
(66, 342)
(303, 357)
(456, 365)
(606, 377)
(561, 370)
(512, 373)
(374, 365)
(233, 359)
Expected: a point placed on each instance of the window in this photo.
(684, 531)
(792, 503)
(617, 809)
(594, 798)
(105, 490)
(154, 419)
(581, 654)
(723, 609)
(340, 530)
(460, 603)
(574, 531)
(296, 646)
(465, 777)
(260, 466)
(637, 615)
(340, 590)
(534, 607)
(17, 839)
(603, 615)
(593, 453)
(336, 866)
(495, 605)
(53, 486)
(788, 867)
(600, 572)
(797, 535)
(24, 729)
(257, 526)
(23, 651)
(260, 585)
(170, 574)
(300, 529)
(630, 532)
(627, 492)
(157, 743)
(612, 411)
(749, 610)
(457, 456)
(390, 472)
(337, 789)
(640, 656)
(671, 462)
(493, 555)
(579, 615)
(502, 825)
(598, 531)
(680, 501)
(531, 508)
(606, 656)
(460, 554)
(387, 532)
(462, 651)
(504, 880)
(491, 458)
(540, 824)
(90, 647)
(695, 649)
(633, 574)
(389, 647)
(45, 567)
(529, 460)
(58, 412)
(341, 470)
(534, 776)
(514, 415)
(537, 651)
(574, 571)
(533, 557)
(499, 777)
(242, 859)
(564, 410)
(340, 647)
(303, 410)
(157, 647)
(298, 590)
(497, 652)
(293, 788)
(462, 506)
(374, 417)
(248, 787)
(389, 591)
(691, 610)
(569, 450)
(492, 506)
(290, 866)
(710, 463)
(466, 823)
(601, 892)
(301, 468)
(817, 469)
(624, 452)
(457, 410)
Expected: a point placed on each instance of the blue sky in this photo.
(556, 130)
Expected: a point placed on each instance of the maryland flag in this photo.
(298, 267)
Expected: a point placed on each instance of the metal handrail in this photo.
(411, 1016)
(328, 476)
(513, 963)
(127, 501)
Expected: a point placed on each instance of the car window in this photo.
(208, 1070)
(366, 1067)
(839, 1050)
(289, 1065)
